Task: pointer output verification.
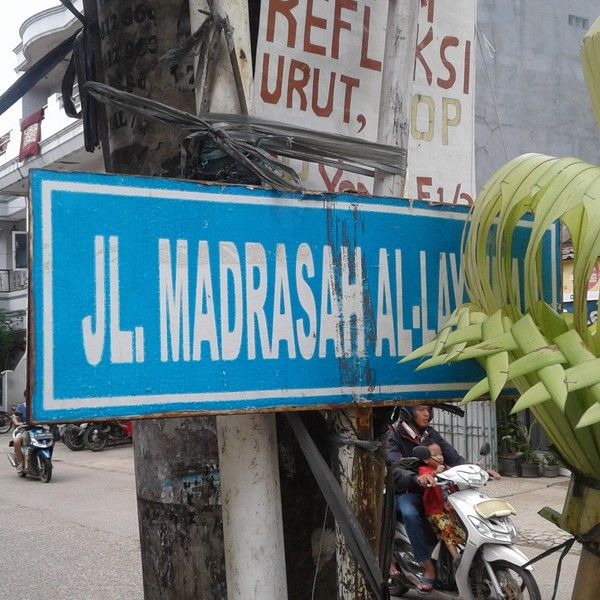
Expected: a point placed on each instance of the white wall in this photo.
(13, 384)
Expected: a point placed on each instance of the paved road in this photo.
(75, 538)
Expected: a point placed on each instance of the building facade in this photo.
(530, 91)
(44, 137)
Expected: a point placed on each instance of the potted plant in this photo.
(550, 466)
(512, 436)
(530, 466)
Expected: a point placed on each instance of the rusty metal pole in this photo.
(176, 460)
(361, 474)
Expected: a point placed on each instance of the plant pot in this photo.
(509, 466)
(550, 470)
(530, 469)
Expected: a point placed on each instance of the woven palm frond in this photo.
(590, 59)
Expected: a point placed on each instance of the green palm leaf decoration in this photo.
(553, 360)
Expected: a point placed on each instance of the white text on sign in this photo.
(259, 303)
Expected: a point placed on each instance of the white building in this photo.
(60, 148)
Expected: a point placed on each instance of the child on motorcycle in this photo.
(437, 510)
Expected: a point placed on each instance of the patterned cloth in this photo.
(449, 531)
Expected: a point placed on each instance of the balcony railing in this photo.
(13, 281)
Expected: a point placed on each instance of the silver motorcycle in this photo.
(490, 566)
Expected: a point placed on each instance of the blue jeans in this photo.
(410, 508)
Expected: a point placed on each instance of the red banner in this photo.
(31, 131)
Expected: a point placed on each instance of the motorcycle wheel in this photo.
(72, 438)
(516, 583)
(119, 433)
(5, 423)
(45, 470)
(94, 439)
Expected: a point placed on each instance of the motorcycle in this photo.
(5, 422)
(73, 436)
(97, 435)
(37, 446)
(489, 565)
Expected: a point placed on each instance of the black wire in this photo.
(237, 135)
(586, 540)
(69, 6)
(35, 73)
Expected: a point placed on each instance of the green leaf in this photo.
(529, 339)
(496, 365)
(590, 60)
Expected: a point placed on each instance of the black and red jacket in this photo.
(402, 439)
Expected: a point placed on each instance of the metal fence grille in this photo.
(468, 433)
(12, 281)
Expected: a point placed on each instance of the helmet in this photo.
(406, 412)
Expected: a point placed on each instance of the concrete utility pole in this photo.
(176, 460)
(177, 463)
(361, 474)
(252, 519)
(396, 88)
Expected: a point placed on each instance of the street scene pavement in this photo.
(76, 538)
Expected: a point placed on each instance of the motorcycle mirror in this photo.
(485, 449)
(422, 453)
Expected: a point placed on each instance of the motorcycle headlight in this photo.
(475, 479)
(501, 531)
(512, 530)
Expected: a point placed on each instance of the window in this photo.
(580, 22)
(4, 142)
(20, 249)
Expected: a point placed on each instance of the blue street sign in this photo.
(155, 297)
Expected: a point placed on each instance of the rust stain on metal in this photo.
(356, 402)
(361, 475)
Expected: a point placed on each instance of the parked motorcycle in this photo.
(489, 565)
(5, 422)
(97, 435)
(37, 446)
(72, 436)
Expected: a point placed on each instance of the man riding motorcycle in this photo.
(411, 430)
(19, 419)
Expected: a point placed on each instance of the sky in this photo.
(12, 15)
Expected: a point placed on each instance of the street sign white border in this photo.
(367, 204)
